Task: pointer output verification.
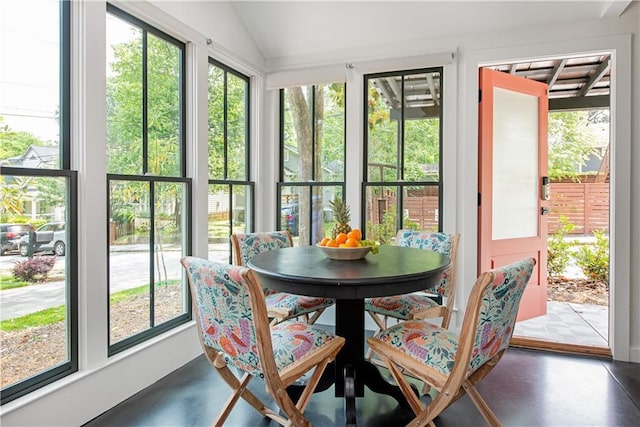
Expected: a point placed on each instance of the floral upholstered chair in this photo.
(420, 305)
(453, 364)
(281, 306)
(234, 330)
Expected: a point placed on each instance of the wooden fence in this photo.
(586, 205)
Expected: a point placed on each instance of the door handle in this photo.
(544, 211)
(546, 188)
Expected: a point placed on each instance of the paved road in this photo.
(129, 269)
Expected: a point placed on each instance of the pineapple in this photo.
(342, 217)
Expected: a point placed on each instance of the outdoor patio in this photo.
(568, 323)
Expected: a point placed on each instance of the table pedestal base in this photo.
(351, 371)
(366, 373)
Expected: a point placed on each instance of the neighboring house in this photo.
(35, 157)
(331, 171)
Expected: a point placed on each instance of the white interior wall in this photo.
(104, 382)
(217, 21)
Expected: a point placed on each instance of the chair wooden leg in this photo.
(426, 388)
(380, 321)
(405, 387)
(311, 320)
(301, 404)
(239, 388)
(435, 408)
(289, 408)
(482, 406)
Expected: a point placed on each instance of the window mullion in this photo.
(401, 135)
(145, 112)
(225, 126)
(152, 252)
(313, 133)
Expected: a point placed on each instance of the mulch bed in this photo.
(33, 350)
(580, 291)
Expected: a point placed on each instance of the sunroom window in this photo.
(230, 199)
(148, 191)
(312, 153)
(403, 153)
(39, 337)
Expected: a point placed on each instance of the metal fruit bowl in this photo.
(345, 254)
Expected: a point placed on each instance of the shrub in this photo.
(386, 230)
(558, 249)
(34, 269)
(594, 259)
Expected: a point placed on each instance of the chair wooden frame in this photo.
(276, 380)
(277, 315)
(458, 382)
(445, 310)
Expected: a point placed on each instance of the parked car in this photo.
(50, 237)
(10, 235)
(289, 218)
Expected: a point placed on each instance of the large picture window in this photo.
(148, 191)
(38, 214)
(230, 199)
(312, 159)
(403, 153)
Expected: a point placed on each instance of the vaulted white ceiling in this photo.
(289, 31)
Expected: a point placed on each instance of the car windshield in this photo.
(18, 228)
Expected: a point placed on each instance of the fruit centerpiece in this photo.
(345, 242)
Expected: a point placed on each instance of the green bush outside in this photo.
(559, 249)
(594, 259)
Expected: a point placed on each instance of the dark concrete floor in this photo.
(527, 388)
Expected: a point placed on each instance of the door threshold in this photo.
(577, 349)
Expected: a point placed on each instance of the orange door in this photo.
(513, 166)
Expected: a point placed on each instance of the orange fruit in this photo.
(332, 243)
(342, 245)
(341, 238)
(324, 241)
(355, 234)
(351, 243)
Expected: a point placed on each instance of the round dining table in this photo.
(394, 270)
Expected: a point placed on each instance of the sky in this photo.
(29, 91)
(30, 69)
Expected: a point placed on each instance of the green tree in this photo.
(573, 138)
(13, 196)
(233, 102)
(314, 126)
(420, 141)
(15, 190)
(125, 108)
(15, 143)
(126, 125)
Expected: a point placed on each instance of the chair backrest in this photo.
(442, 243)
(246, 246)
(230, 313)
(491, 314)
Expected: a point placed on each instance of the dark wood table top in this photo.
(306, 270)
